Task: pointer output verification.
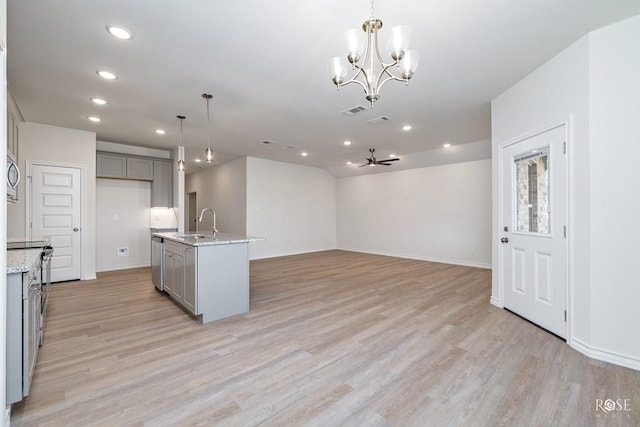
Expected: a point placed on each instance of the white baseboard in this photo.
(422, 258)
(90, 277)
(281, 254)
(121, 267)
(7, 417)
(494, 301)
(605, 355)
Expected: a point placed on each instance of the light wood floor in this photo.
(332, 339)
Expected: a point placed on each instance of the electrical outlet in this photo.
(473, 251)
(122, 252)
(115, 217)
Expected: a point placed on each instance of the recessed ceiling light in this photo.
(94, 119)
(406, 128)
(304, 154)
(119, 32)
(347, 143)
(108, 75)
(349, 163)
(197, 160)
(98, 101)
(392, 155)
(447, 145)
(160, 131)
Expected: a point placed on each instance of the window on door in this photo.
(532, 198)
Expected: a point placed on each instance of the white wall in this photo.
(129, 201)
(614, 181)
(293, 206)
(440, 213)
(224, 189)
(556, 92)
(56, 145)
(135, 150)
(594, 83)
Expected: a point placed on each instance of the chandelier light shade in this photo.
(371, 70)
(181, 147)
(208, 152)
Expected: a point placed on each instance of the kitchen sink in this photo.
(193, 236)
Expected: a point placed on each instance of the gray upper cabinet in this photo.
(111, 166)
(138, 168)
(12, 134)
(158, 171)
(162, 185)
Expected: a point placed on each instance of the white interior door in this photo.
(533, 233)
(55, 212)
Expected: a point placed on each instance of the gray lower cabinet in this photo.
(208, 280)
(23, 331)
(162, 185)
(190, 268)
(174, 269)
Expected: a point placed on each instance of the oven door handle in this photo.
(12, 165)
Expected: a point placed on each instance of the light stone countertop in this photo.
(220, 238)
(21, 260)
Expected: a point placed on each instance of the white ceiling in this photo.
(266, 65)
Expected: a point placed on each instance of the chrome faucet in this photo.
(215, 230)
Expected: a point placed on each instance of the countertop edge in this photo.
(220, 238)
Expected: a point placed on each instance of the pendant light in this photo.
(208, 152)
(181, 148)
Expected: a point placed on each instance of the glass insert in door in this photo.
(532, 191)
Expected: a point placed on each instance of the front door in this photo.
(533, 202)
(55, 212)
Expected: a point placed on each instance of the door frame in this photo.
(498, 300)
(28, 202)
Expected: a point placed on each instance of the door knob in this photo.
(75, 229)
(505, 240)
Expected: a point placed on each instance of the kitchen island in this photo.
(208, 275)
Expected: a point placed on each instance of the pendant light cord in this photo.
(208, 125)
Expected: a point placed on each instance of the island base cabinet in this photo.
(222, 280)
(208, 280)
(174, 270)
(190, 268)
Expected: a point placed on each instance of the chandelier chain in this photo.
(372, 11)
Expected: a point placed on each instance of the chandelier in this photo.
(208, 152)
(371, 72)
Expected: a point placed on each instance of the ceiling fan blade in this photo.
(383, 164)
(390, 160)
(366, 164)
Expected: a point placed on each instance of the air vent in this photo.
(353, 111)
(378, 120)
(267, 142)
(289, 147)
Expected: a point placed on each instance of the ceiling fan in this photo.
(371, 161)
